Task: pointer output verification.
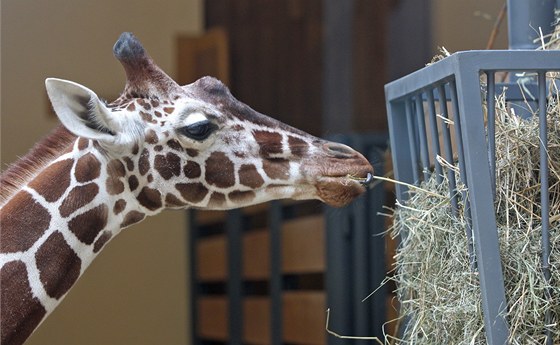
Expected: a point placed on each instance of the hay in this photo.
(438, 291)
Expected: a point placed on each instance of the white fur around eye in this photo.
(195, 118)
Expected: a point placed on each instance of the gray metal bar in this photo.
(337, 65)
(338, 278)
(544, 171)
(448, 150)
(462, 171)
(276, 310)
(234, 283)
(359, 260)
(399, 131)
(424, 154)
(412, 139)
(193, 283)
(483, 216)
(524, 20)
(518, 60)
(376, 244)
(435, 134)
(491, 113)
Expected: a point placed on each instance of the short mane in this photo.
(23, 170)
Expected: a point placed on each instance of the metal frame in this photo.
(457, 78)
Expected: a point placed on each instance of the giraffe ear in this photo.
(80, 110)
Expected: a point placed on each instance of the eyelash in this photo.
(199, 131)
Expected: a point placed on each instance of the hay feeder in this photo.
(487, 189)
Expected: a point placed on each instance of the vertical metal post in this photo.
(338, 277)
(193, 281)
(424, 154)
(462, 170)
(435, 134)
(412, 139)
(448, 150)
(543, 143)
(337, 65)
(398, 128)
(485, 233)
(524, 20)
(234, 284)
(276, 310)
(491, 111)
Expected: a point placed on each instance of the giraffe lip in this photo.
(365, 181)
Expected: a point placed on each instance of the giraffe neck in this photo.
(53, 226)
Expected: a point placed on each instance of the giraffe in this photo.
(159, 145)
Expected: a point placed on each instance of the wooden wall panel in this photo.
(211, 258)
(304, 317)
(256, 255)
(256, 317)
(275, 48)
(213, 317)
(303, 245)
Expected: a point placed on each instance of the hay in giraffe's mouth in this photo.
(364, 181)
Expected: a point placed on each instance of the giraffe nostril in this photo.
(339, 150)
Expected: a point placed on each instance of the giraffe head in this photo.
(197, 146)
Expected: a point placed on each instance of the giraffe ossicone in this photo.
(159, 145)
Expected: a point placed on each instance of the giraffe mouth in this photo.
(364, 181)
(338, 191)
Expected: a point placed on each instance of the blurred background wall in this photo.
(136, 291)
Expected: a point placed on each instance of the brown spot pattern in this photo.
(54, 180)
(219, 170)
(135, 149)
(151, 137)
(83, 143)
(168, 110)
(144, 162)
(158, 148)
(147, 117)
(129, 163)
(87, 225)
(116, 168)
(298, 147)
(114, 185)
(277, 168)
(87, 169)
(119, 206)
(192, 192)
(270, 143)
(192, 152)
(172, 201)
(168, 165)
(250, 177)
(217, 199)
(77, 198)
(21, 313)
(101, 241)
(59, 266)
(132, 217)
(22, 212)
(131, 107)
(174, 144)
(192, 170)
(150, 198)
(239, 197)
(133, 182)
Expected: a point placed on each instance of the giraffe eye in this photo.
(199, 130)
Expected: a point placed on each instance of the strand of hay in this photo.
(437, 289)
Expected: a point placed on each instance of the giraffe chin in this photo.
(338, 191)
